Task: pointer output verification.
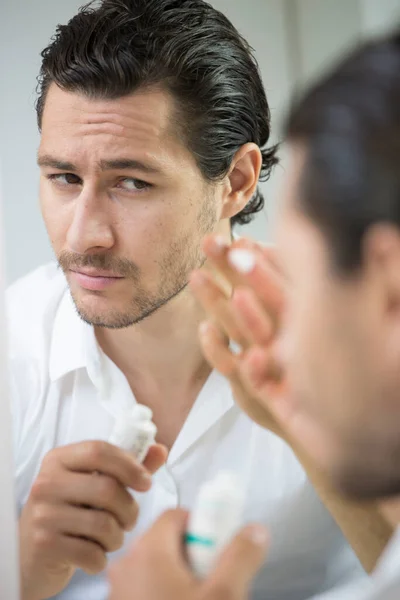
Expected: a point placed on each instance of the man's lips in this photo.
(93, 279)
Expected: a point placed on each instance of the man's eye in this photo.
(133, 185)
(64, 178)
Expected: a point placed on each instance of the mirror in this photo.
(9, 579)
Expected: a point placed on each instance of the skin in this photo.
(143, 224)
(125, 207)
(273, 376)
(146, 227)
(230, 578)
(252, 316)
(77, 511)
(355, 321)
(89, 229)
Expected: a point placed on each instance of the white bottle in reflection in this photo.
(216, 518)
(134, 431)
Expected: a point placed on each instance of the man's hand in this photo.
(77, 511)
(247, 311)
(251, 316)
(156, 567)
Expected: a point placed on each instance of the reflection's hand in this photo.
(156, 567)
(250, 317)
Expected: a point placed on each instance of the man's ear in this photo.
(381, 255)
(381, 260)
(242, 180)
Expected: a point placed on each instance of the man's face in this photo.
(341, 347)
(124, 202)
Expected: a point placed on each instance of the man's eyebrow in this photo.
(46, 160)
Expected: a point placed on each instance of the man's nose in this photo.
(91, 228)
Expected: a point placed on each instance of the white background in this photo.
(293, 39)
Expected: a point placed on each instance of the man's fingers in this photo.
(98, 526)
(155, 566)
(169, 527)
(239, 562)
(217, 249)
(164, 540)
(217, 305)
(253, 317)
(101, 457)
(248, 263)
(85, 554)
(216, 349)
(256, 273)
(155, 458)
(87, 489)
(265, 380)
(262, 374)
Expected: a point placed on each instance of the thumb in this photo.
(239, 562)
(155, 458)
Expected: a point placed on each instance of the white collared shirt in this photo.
(65, 390)
(384, 583)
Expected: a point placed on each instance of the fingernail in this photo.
(257, 534)
(242, 260)
(145, 478)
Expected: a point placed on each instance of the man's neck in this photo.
(391, 510)
(162, 359)
(163, 349)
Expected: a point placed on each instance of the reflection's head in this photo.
(339, 237)
(152, 115)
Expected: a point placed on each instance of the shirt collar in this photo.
(213, 402)
(74, 346)
(72, 340)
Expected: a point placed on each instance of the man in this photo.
(332, 379)
(154, 125)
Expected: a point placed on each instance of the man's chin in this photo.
(99, 311)
(110, 320)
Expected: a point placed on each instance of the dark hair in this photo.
(350, 124)
(110, 49)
